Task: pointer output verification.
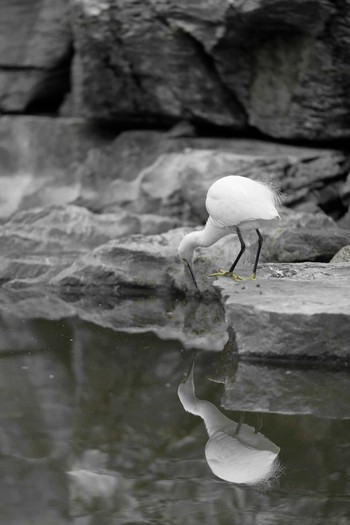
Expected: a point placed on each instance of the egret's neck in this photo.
(206, 237)
(211, 233)
(188, 397)
(214, 420)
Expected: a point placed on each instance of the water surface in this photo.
(92, 432)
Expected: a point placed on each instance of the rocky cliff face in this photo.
(35, 55)
(270, 65)
(280, 67)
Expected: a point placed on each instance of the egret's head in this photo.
(186, 250)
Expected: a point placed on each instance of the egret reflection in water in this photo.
(235, 452)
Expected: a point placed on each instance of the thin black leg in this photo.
(260, 242)
(241, 251)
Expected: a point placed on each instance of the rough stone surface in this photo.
(146, 260)
(306, 244)
(35, 50)
(294, 310)
(281, 67)
(45, 161)
(134, 64)
(67, 229)
(290, 311)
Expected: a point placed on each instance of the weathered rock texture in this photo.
(278, 66)
(294, 310)
(47, 161)
(35, 54)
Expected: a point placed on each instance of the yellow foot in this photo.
(219, 273)
(224, 273)
(236, 277)
(251, 277)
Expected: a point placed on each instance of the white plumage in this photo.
(233, 203)
(235, 451)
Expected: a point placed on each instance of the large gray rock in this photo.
(124, 50)
(38, 239)
(35, 51)
(293, 310)
(66, 229)
(281, 67)
(152, 262)
(308, 244)
(173, 177)
(45, 161)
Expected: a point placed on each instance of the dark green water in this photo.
(92, 432)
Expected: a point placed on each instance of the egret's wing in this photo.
(230, 202)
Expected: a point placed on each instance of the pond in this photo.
(93, 432)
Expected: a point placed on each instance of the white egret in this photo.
(233, 203)
(235, 452)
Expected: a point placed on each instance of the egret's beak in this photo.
(191, 272)
(189, 374)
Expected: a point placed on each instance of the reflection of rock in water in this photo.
(235, 451)
(94, 488)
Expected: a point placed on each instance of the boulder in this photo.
(292, 311)
(72, 229)
(252, 64)
(137, 44)
(308, 244)
(121, 263)
(45, 161)
(138, 283)
(35, 54)
(136, 262)
(175, 181)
